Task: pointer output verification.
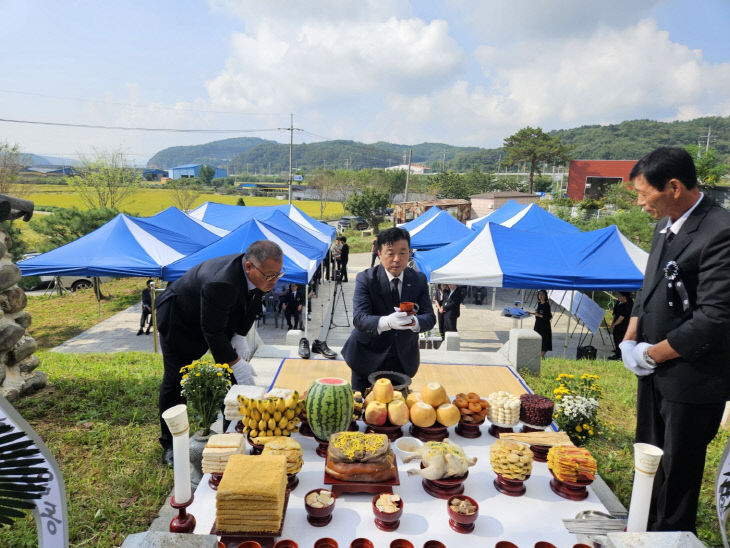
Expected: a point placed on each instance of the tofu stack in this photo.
(251, 494)
(218, 449)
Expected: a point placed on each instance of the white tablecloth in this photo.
(536, 515)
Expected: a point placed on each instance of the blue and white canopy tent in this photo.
(435, 228)
(125, 246)
(531, 218)
(498, 216)
(229, 217)
(497, 256)
(302, 251)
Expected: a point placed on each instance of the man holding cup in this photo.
(385, 337)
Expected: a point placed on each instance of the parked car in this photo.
(74, 283)
(357, 223)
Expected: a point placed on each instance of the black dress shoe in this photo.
(140, 332)
(304, 348)
(322, 348)
(167, 457)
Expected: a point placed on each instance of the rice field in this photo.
(148, 201)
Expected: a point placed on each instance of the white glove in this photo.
(639, 352)
(399, 320)
(415, 327)
(243, 372)
(627, 355)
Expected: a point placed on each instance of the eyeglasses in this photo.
(269, 277)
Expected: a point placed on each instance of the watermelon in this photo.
(329, 407)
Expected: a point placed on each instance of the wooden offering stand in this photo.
(444, 488)
(354, 427)
(239, 427)
(496, 430)
(256, 449)
(469, 430)
(214, 481)
(339, 487)
(527, 428)
(393, 432)
(322, 447)
(539, 452)
(436, 432)
(266, 540)
(291, 482)
(510, 487)
(183, 522)
(569, 489)
(305, 430)
(387, 521)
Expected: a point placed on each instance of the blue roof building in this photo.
(193, 170)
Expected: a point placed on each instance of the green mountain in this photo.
(216, 153)
(625, 141)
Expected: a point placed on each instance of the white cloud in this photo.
(636, 72)
(277, 67)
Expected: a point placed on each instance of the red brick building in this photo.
(589, 178)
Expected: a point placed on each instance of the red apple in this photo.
(376, 413)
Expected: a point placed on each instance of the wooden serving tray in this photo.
(339, 487)
(266, 540)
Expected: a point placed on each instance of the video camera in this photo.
(337, 276)
(14, 208)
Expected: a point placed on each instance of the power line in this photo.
(119, 103)
(124, 128)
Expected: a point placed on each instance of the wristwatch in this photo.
(648, 359)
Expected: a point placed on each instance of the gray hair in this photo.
(261, 250)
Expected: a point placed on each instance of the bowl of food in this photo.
(319, 504)
(463, 512)
(387, 508)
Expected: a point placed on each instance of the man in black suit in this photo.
(204, 309)
(344, 258)
(452, 307)
(677, 338)
(385, 339)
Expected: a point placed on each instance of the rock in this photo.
(28, 364)
(33, 383)
(23, 319)
(15, 300)
(10, 334)
(24, 348)
(9, 276)
(12, 394)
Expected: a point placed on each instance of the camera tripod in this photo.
(338, 295)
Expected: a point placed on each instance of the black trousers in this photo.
(170, 387)
(289, 314)
(146, 313)
(360, 382)
(683, 431)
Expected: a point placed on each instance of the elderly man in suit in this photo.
(212, 304)
(384, 338)
(677, 339)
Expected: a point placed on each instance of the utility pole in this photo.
(290, 129)
(443, 161)
(408, 174)
(707, 144)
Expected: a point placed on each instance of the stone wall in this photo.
(18, 376)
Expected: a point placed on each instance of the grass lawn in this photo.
(614, 449)
(148, 201)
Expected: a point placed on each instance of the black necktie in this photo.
(394, 291)
(669, 236)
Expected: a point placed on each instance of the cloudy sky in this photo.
(453, 71)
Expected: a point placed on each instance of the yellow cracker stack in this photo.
(510, 459)
(288, 447)
(218, 449)
(574, 464)
(251, 495)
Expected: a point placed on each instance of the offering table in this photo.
(523, 520)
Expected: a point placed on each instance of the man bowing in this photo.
(677, 340)
(384, 338)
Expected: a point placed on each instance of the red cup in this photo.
(401, 543)
(463, 523)
(408, 306)
(433, 544)
(544, 544)
(387, 521)
(286, 543)
(505, 544)
(325, 543)
(361, 543)
(319, 517)
(249, 544)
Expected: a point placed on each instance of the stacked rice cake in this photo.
(291, 449)
(231, 405)
(218, 449)
(251, 495)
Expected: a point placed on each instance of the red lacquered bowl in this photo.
(286, 543)
(433, 544)
(362, 543)
(387, 521)
(325, 543)
(401, 543)
(319, 517)
(462, 523)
